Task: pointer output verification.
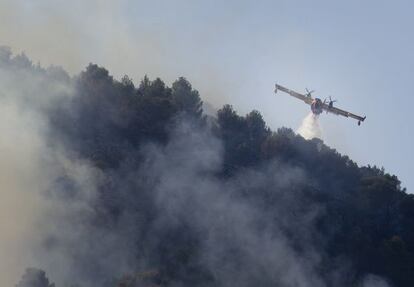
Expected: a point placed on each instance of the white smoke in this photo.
(374, 281)
(310, 127)
(44, 222)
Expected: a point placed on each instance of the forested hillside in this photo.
(179, 198)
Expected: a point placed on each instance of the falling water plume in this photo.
(310, 127)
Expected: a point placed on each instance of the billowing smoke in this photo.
(26, 169)
(310, 127)
(49, 195)
(374, 281)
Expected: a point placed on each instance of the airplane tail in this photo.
(363, 119)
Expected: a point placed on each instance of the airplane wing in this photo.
(340, 112)
(306, 99)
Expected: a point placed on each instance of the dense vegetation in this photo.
(251, 206)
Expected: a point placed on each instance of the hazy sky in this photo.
(360, 52)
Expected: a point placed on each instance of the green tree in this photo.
(186, 99)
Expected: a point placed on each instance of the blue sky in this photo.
(359, 52)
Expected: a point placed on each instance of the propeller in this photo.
(330, 100)
(308, 93)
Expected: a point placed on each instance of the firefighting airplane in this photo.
(318, 106)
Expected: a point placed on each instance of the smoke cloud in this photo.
(310, 127)
(374, 281)
(25, 169)
(49, 195)
(234, 249)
